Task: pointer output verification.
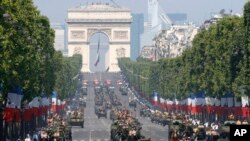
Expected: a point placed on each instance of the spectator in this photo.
(8, 138)
(206, 124)
(35, 136)
(19, 138)
(27, 138)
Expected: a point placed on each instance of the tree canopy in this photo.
(27, 55)
(217, 63)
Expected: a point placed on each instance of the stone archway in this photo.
(113, 21)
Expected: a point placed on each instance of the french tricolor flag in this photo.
(155, 97)
(54, 102)
(15, 97)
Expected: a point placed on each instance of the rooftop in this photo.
(99, 7)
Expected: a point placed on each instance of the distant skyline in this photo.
(196, 10)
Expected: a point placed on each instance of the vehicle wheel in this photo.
(83, 125)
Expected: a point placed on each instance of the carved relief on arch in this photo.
(77, 50)
(95, 30)
(120, 52)
(77, 34)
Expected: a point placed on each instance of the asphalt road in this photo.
(99, 129)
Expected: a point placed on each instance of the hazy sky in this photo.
(197, 10)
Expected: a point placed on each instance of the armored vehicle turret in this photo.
(76, 118)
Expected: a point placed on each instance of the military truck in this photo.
(76, 118)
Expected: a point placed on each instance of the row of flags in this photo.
(200, 100)
(199, 104)
(38, 106)
(15, 97)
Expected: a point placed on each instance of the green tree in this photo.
(27, 53)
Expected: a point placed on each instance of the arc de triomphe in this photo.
(84, 21)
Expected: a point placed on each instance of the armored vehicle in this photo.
(200, 132)
(100, 112)
(97, 90)
(82, 101)
(145, 112)
(123, 90)
(111, 90)
(159, 118)
(225, 129)
(120, 131)
(57, 129)
(76, 118)
(176, 128)
(99, 100)
(126, 128)
(96, 82)
(132, 103)
(108, 105)
(85, 82)
(59, 133)
(107, 84)
(112, 114)
(84, 90)
(212, 135)
(116, 102)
